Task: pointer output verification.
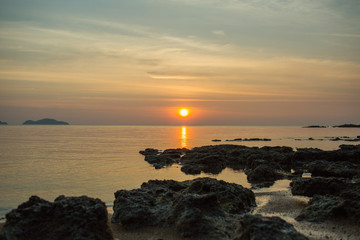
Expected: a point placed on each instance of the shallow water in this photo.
(49, 161)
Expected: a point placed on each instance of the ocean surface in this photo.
(96, 161)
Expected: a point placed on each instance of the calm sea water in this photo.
(49, 161)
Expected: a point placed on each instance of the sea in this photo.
(96, 161)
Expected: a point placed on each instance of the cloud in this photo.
(218, 32)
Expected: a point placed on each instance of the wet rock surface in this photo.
(257, 227)
(332, 198)
(262, 165)
(203, 207)
(65, 218)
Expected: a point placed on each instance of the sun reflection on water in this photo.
(183, 137)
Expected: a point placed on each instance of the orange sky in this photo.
(137, 62)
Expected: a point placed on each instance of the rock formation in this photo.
(65, 218)
(202, 207)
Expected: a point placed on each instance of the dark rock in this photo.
(216, 140)
(208, 164)
(249, 139)
(264, 173)
(315, 126)
(341, 169)
(321, 208)
(332, 198)
(150, 151)
(199, 207)
(319, 185)
(3, 123)
(162, 159)
(348, 126)
(45, 121)
(256, 227)
(65, 218)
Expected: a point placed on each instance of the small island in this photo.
(3, 123)
(45, 121)
(348, 126)
(315, 126)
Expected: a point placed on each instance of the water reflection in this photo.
(183, 137)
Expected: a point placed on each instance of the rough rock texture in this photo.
(262, 165)
(199, 207)
(341, 169)
(256, 227)
(65, 218)
(162, 159)
(332, 198)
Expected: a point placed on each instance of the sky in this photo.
(231, 62)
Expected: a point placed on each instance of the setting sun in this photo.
(184, 112)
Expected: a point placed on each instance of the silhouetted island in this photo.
(348, 126)
(315, 126)
(3, 123)
(45, 121)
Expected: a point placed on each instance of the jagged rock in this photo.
(256, 227)
(65, 218)
(213, 159)
(200, 206)
(263, 173)
(319, 185)
(321, 208)
(162, 159)
(332, 198)
(341, 169)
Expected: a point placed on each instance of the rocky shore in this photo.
(322, 206)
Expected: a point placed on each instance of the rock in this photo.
(333, 169)
(213, 159)
(65, 218)
(216, 140)
(257, 227)
(202, 206)
(207, 163)
(347, 126)
(315, 126)
(150, 151)
(319, 185)
(3, 123)
(45, 121)
(264, 173)
(321, 208)
(162, 159)
(332, 198)
(249, 139)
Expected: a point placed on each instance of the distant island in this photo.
(3, 123)
(45, 121)
(315, 126)
(348, 126)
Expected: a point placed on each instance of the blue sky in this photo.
(137, 62)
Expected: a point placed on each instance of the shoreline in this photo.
(276, 200)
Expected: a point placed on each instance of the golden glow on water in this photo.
(183, 137)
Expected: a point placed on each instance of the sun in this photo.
(184, 112)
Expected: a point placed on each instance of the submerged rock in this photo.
(202, 206)
(262, 165)
(162, 159)
(65, 218)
